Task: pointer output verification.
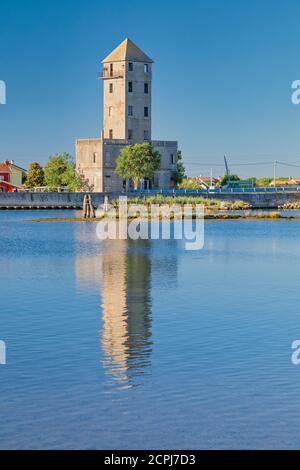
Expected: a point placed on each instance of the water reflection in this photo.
(121, 269)
(126, 305)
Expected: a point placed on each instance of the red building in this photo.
(11, 177)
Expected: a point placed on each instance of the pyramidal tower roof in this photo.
(127, 50)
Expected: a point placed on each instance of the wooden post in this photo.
(85, 206)
(92, 210)
(106, 203)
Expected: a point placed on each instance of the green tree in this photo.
(190, 183)
(35, 176)
(138, 161)
(179, 174)
(60, 171)
(75, 181)
(55, 168)
(226, 178)
(264, 181)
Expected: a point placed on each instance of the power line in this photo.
(243, 164)
(231, 164)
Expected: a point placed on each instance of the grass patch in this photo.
(207, 202)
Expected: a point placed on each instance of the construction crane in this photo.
(226, 167)
(227, 173)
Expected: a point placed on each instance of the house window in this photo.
(130, 87)
(111, 70)
(111, 88)
(146, 68)
(110, 110)
(94, 157)
(110, 133)
(129, 134)
(107, 157)
(146, 111)
(130, 67)
(172, 158)
(146, 88)
(130, 110)
(146, 135)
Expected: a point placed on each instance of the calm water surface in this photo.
(122, 344)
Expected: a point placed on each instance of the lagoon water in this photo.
(141, 344)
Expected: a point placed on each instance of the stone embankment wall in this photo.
(75, 200)
(260, 200)
(46, 200)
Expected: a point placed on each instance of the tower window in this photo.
(129, 134)
(111, 87)
(146, 135)
(146, 111)
(146, 88)
(110, 110)
(130, 110)
(172, 158)
(110, 133)
(111, 69)
(130, 67)
(107, 157)
(130, 87)
(94, 157)
(146, 68)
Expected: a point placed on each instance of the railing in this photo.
(278, 189)
(46, 189)
(107, 75)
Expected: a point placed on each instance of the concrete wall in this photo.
(45, 200)
(162, 178)
(96, 159)
(260, 200)
(168, 151)
(89, 161)
(56, 200)
(138, 100)
(115, 100)
(115, 103)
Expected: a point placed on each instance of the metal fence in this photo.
(278, 189)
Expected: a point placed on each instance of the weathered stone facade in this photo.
(127, 77)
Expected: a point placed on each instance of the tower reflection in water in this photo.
(126, 306)
(125, 272)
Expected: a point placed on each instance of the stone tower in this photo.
(127, 94)
(126, 75)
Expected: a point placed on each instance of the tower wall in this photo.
(114, 100)
(127, 101)
(89, 161)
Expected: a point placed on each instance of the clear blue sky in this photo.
(222, 76)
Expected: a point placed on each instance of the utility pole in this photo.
(274, 173)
